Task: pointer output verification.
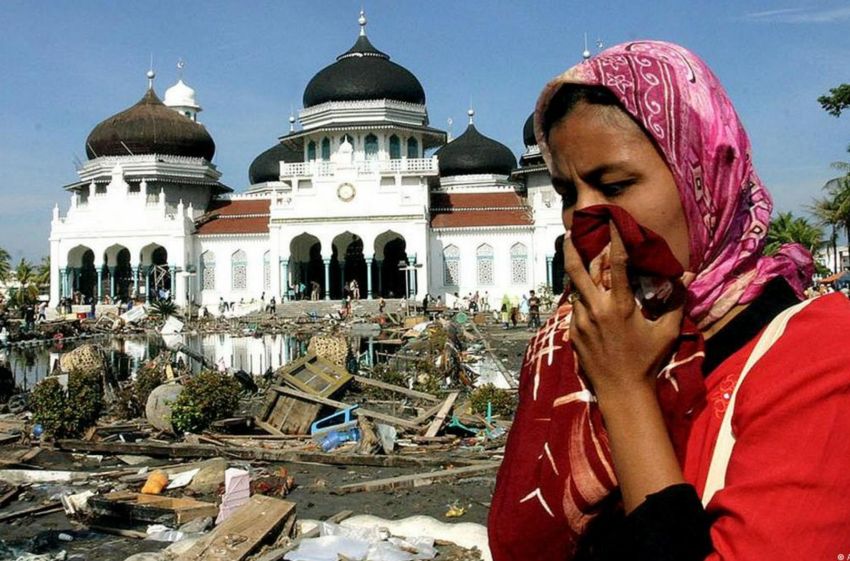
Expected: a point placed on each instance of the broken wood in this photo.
(243, 532)
(139, 507)
(438, 421)
(135, 534)
(6, 497)
(9, 438)
(394, 388)
(389, 419)
(416, 479)
(166, 450)
(52, 506)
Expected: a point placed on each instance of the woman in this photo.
(684, 370)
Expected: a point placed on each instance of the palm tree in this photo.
(27, 290)
(42, 277)
(5, 266)
(826, 212)
(786, 228)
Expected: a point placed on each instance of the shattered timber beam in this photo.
(162, 450)
(389, 419)
(416, 479)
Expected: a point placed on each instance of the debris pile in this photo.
(211, 463)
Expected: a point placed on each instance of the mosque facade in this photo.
(360, 188)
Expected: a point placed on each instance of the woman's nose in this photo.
(587, 196)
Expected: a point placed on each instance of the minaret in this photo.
(181, 97)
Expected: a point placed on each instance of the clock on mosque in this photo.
(345, 192)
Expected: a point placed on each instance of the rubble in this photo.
(377, 408)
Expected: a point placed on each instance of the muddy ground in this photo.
(313, 496)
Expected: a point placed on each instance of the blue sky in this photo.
(68, 65)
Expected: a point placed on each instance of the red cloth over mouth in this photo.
(557, 474)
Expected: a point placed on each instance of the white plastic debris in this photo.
(182, 479)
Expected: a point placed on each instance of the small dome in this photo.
(473, 153)
(528, 132)
(180, 95)
(363, 73)
(149, 127)
(266, 166)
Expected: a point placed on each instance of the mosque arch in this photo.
(208, 270)
(156, 273)
(390, 252)
(412, 148)
(311, 151)
(306, 264)
(117, 272)
(451, 265)
(519, 263)
(82, 273)
(395, 147)
(239, 270)
(484, 255)
(326, 149)
(347, 263)
(370, 146)
(558, 274)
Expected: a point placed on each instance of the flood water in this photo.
(126, 354)
(253, 354)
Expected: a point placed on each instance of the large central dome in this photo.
(363, 73)
(149, 127)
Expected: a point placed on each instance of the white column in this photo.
(278, 284)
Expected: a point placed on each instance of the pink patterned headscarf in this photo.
(680, 103)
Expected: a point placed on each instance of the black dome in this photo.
(266, 166)
(363, 72)
(528, 132)
(149, 127)
(473, 153)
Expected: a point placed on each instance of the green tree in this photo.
(826, 211)
(42, 276)
(786, 228)
(5, 265)
(837, 100)
(27, 280)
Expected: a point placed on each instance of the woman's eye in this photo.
(614, 189)
(568, 199)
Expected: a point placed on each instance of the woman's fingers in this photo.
(579, 277)
(618, 260)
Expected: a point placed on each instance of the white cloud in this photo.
(800, 15)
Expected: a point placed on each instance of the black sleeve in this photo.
(670, 525)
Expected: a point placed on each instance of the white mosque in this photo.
(359, 188)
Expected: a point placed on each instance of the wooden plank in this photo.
(177, 450)
(271, 429)
(243, 532)
(389, 419)
(7, 497)
(139, 507)
(52, 506)
(398, 389)
(438, 421)
(428, 413)
(416, 479)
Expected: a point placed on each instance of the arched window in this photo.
(347, 137)
(239, 270)
(519, 264)
(451, 266)
(370, 146)
(395, 148)
(484, 258)
(311, 151)
(326, 149)
(267, 272)
(208, 270)
(412, 148)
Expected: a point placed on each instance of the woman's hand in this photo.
(619, 349)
